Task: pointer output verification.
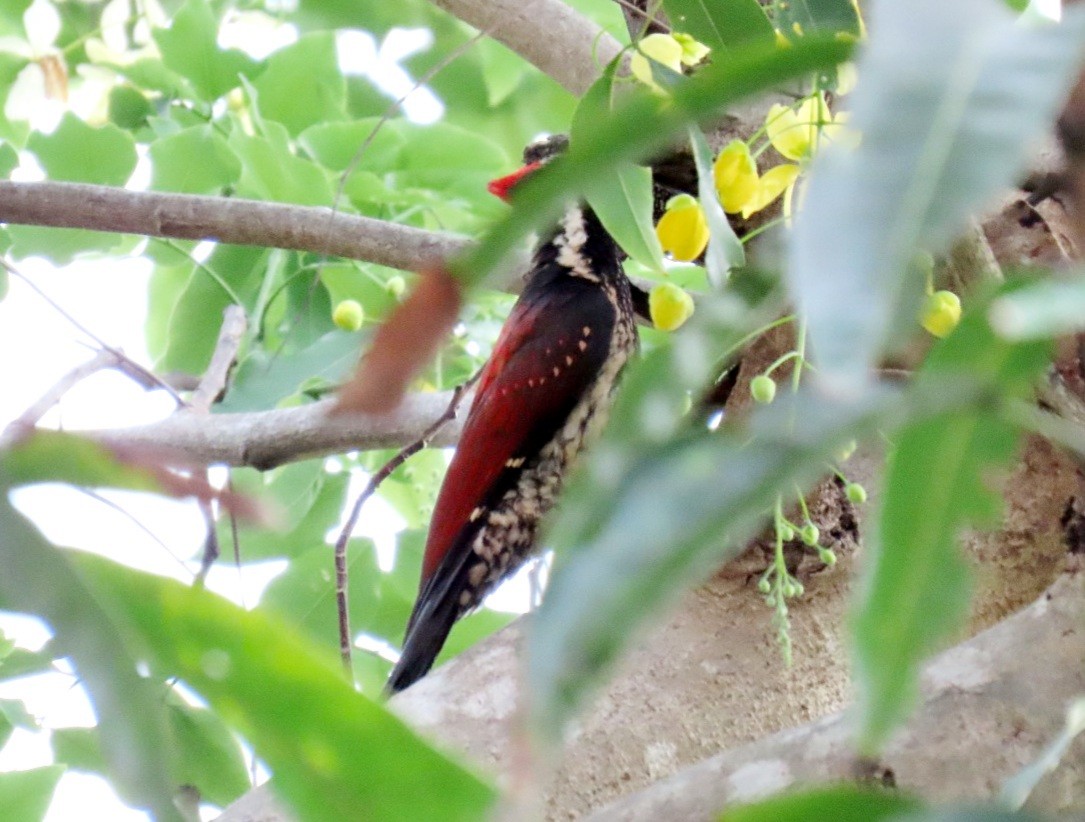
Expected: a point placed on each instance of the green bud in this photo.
(763, 585)
(810, 534)
(827, 556)
(763, 389)
(348, 315)
(855, 492)
(786, 532)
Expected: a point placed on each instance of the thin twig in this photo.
(120, 509)
(341, 577)
(116, 352)
(213, 382)
(26, 421)
(211, 386)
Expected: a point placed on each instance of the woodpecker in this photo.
(545, 391)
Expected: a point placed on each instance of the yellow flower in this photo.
(669, 305)
(771, 185)
(795, 132)
(683, 228)
(662, 48)
(735, 173)
(941, 313)
(693, 51)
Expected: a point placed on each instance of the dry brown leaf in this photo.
(406, 342)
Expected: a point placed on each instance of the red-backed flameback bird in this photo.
(545, 391)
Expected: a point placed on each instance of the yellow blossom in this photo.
(771, 185)
(669, 305)
(693, 50)
(735, 174)
(941, 313)
(683, 228)
(794, 132)
(662, 48)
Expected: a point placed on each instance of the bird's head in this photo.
(537, 154)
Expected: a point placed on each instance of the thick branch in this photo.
(264, 439)
(550, 35)
(989, 707)
(227, 220)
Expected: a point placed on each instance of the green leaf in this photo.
(302, 84)
(78, 153)
(941, 149)
(935, 486)
(290, 700)
(196, 160)
(305, 594)
(25, 795)
(80, 749)
(62, 245)
(307, 500)
(1047, 308)
(805, 16)
(840, 804)
(621, 200)
(263, 380)
(19, 662)
(725, 250)
(128, 107)
(502, 69)
(334, 145)
(189, 47)
(194, 298)
(721, 25)
(15, 713)
(57, 456)
(9, 159)
(210, 758)
(39, 579)
(679, 511)
(638, 126)
(270, 172)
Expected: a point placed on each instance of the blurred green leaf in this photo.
(844, 803)
(80, 749)
(725, 250)
(189, 47)
(15, 713)
(18, 662)
(39, 579)
(804, 16)
(57, 456)
(623, 199)
(302, 84)
(1046, 308)
(209, 756)
(78, 153)
(9, 159)
(128, 107)
(62, 245)
(721, 24)
(942, 148)
(935, 485)
(314, 731)
(196, 160)
(25, 795)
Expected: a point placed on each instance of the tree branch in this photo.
(226, 220)
(989, 706)
(264, 439)
(550, 35)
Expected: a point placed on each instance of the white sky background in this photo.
(40, 346)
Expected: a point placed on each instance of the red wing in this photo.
(549, 351)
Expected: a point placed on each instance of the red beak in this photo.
(502, 187)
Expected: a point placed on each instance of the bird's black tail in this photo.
(434, 614)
